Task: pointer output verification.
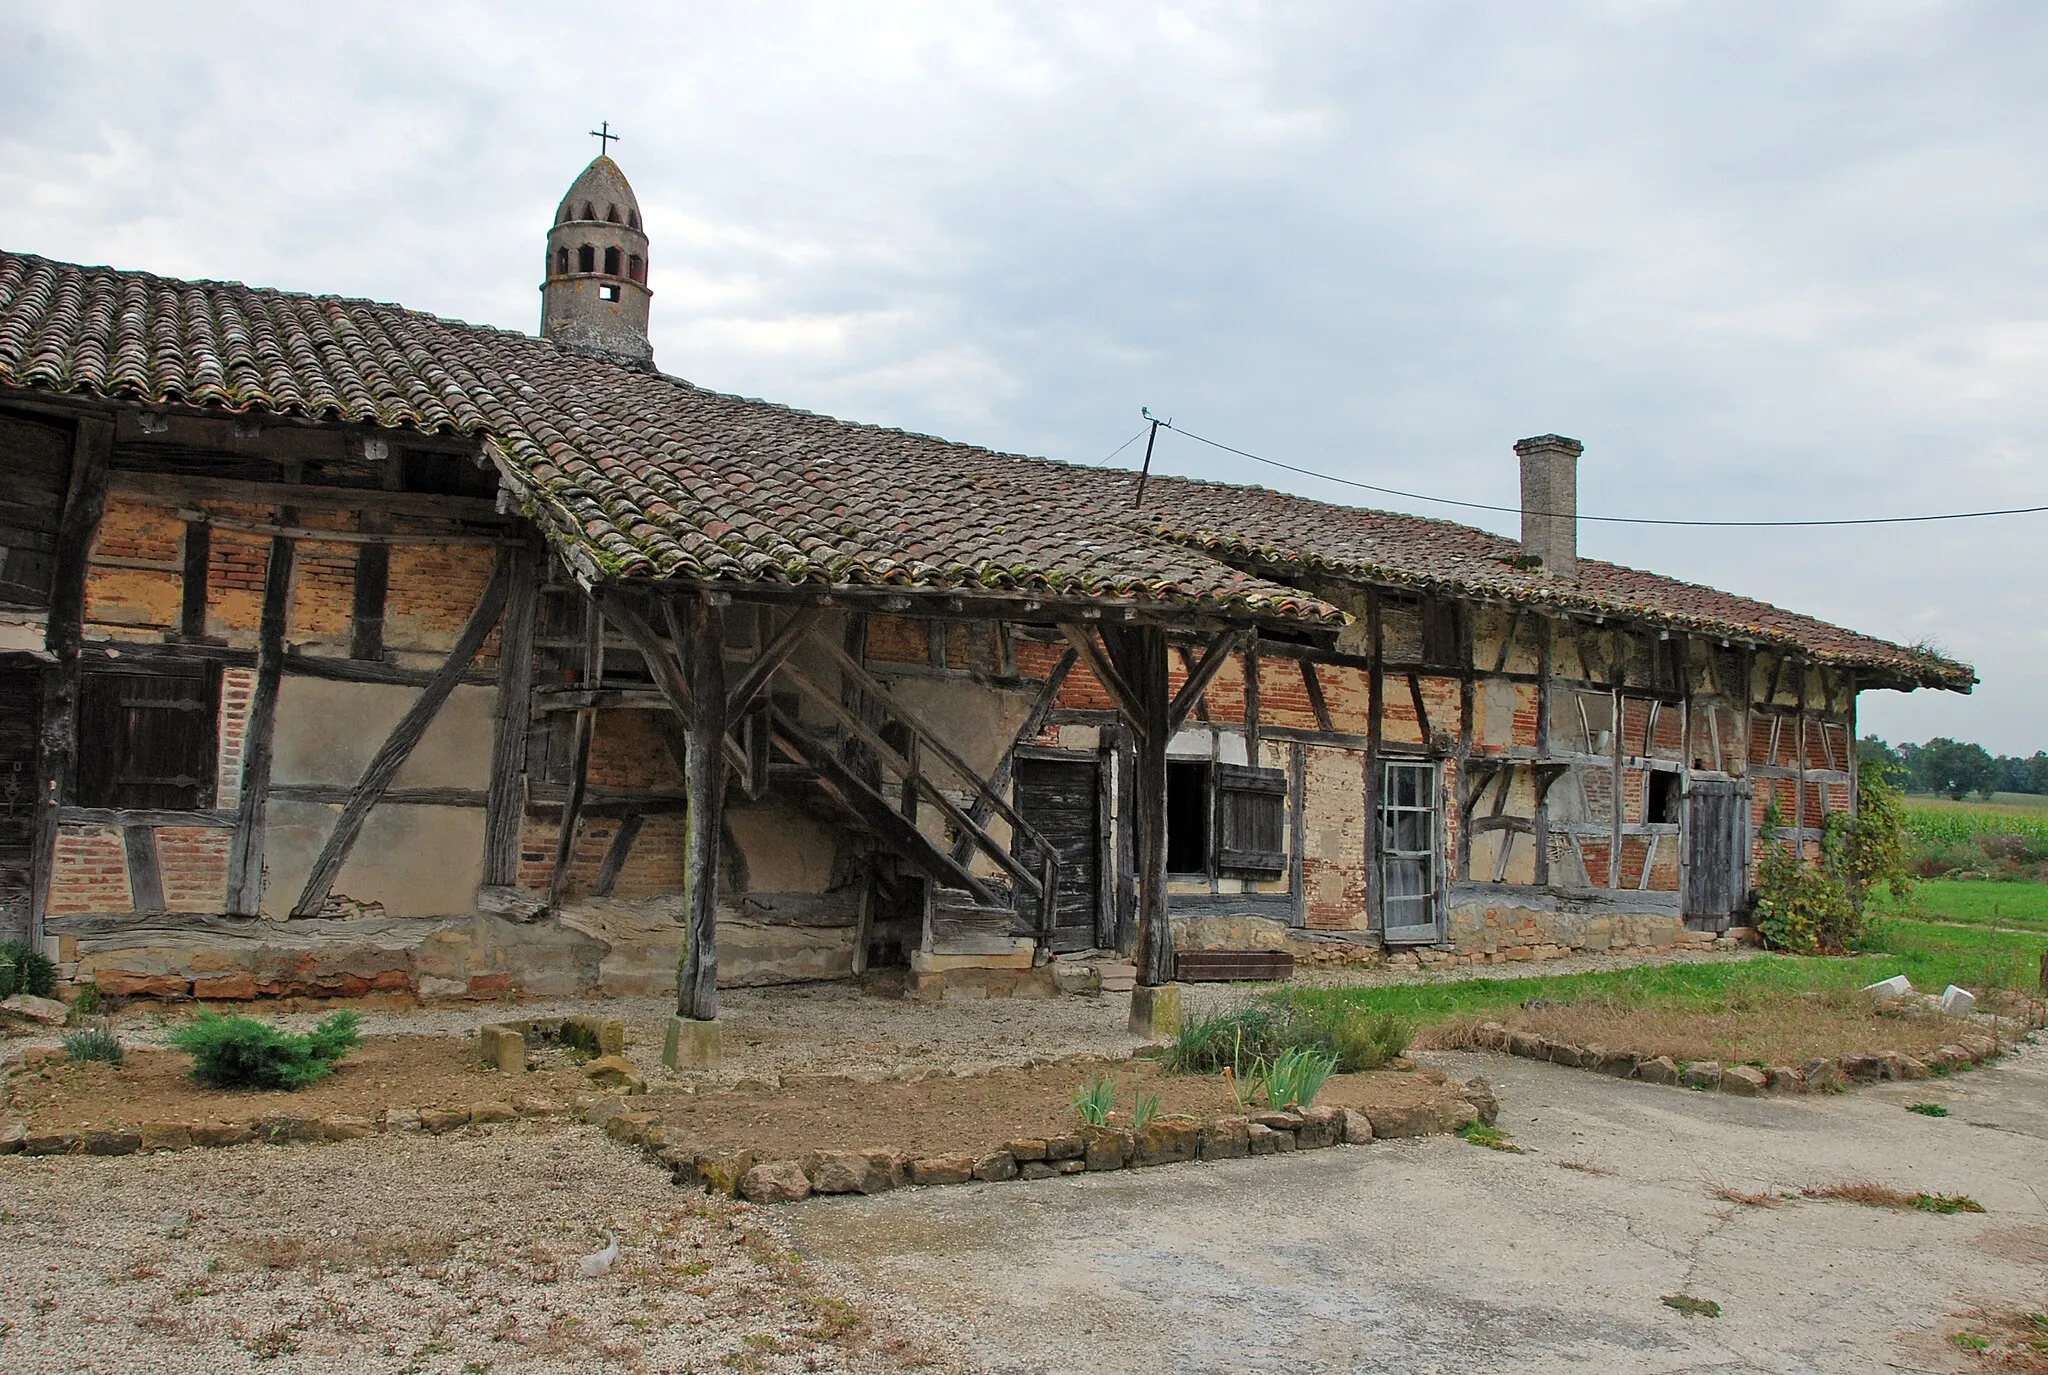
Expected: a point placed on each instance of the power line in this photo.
(1607, 520)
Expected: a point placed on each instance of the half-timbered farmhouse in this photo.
(344, 648)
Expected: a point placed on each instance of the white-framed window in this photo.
(1409, 820)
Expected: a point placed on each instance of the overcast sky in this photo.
(1766, 260)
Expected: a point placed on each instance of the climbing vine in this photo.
(1818, 908)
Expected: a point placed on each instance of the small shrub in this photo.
(1493, 1138)
(1144, 1107)
(88, 1004)
(1255, 1034)
(94, 1042)
(1929, 1109)
(1692, 1307)
(1093, 1101)
(1297, 1077)
(241, 1052)
(1947, 1204)
(1361, 1039)
(25, 969)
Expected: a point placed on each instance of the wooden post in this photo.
(704, 783)
(245, 857)
(511, 719)
(85, 499)
(1139, 655)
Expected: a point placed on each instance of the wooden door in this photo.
(1062, 798)
(1716, 853)
(21, 696)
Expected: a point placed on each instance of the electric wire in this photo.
(1605, 520)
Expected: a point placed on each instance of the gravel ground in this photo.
(453, 1254)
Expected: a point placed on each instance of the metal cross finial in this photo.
(605, 138)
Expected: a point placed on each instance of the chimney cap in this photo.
(1541, 442)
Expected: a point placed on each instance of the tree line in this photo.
(1955, 768)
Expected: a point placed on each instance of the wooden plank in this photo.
(198, 555)
(372, 584)
(145, 883)
(1422, 725)
(1187, 668)
(375, 539)
(1034, 722)
(211, 819)
(1297, 827)
(245, 855)
(511, 716)
(771, 657)
(1235, 966)
(398, 745)
(1139, 653)
(338, 794)
(1252, 710)
(173, 489)
(572, 807)
(1120, 692)
(616, 855)
(85, 499)
(1375, 709)
(1544, 777)
(300, 665)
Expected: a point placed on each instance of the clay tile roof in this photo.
(638, 475)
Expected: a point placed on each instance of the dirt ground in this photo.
(1786, 1031)
(383, 1072)
(1433, 1256)
(974, 1113)
(446, 1256)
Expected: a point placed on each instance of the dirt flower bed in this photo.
(1786, 1031)
(383, 1072)
(408, 1254)
(980, 1112)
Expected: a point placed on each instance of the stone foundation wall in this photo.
(1513, 931)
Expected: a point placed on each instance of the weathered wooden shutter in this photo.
(1443, 635)
(147, 740)
(1251, 820)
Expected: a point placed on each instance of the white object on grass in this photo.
(1957, 1002)
(598, 1263)
(1897, 986)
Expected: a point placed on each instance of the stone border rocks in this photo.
(1815, 1076)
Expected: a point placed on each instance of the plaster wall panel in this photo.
(411, 861)
(786, 851)
(327, 732)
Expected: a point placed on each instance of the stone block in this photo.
(491, 1110)
(1357, 1127)
(343, 1126)
(1905, 1067)
(440, 1120)
(1026, 1148)
(692, 1044)
(1886, 990)
(1480, 1095)
(1981, 1048)
(630, 1128)
(1746, 1080)
(1260, 1139)
(777, 1181)
(27, 1007)
(1036, 1169)
(51, 1143)
(942, 1169)
(214, 1135)
(1785, 1079)
(1226, 1138)
(1490, 1036)
(166, 1136)
(501, 1048)
(1863, 1069)
(1109, 1148)
(1658, 1069)
(534, 1105)
(615, 1072)
(1156, 1012)
(12, 1134)
(1528, 1046)
(1822, 1074)
(1621, 1064)
(1082, 980)
(1570, 1056)
(1072, 1146)
(720, 1171)
(115, 1142)
(1702, 1074)
(224, 988)
(851, 1172)
(1167, 1141)
(1956, 1002)
(995, 1167)
(401, 1119)
(284, 1129)
(1283, 1120)
(1320, 1126)
(1393, 1123)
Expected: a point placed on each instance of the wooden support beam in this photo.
(1082, 638)
(772, 655)
(1252, 709)
(372, 584)
(85, 499)
(398, 745)
(1006, 767)
(1139, 655)
(615, 857)
(1316, 701)
(700, 641)
(1187, 668)
(511, 718)
(198, 556)
(245, 856)
(1375, 711)
(664, 663)
(182, 490)
(145, 880)
(1221, 647)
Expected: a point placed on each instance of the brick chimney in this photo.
(1550, 501)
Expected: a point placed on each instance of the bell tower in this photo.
(594, 297)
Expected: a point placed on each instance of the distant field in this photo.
(1971, 902)
(2025, 801)
(1938, 821)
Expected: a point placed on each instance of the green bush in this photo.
(1254, 1035)
(243, 1053)
(1094, 1100)
(94, 1042)
(25, 969)
(1297, 1077)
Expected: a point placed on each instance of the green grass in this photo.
(1973, 902)
(1937, 820)
(1931, 956)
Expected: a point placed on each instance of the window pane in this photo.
(1407, 878)
(1404, 912)
(1401, 787)
(1408, 832)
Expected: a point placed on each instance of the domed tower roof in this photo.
(594, 296)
